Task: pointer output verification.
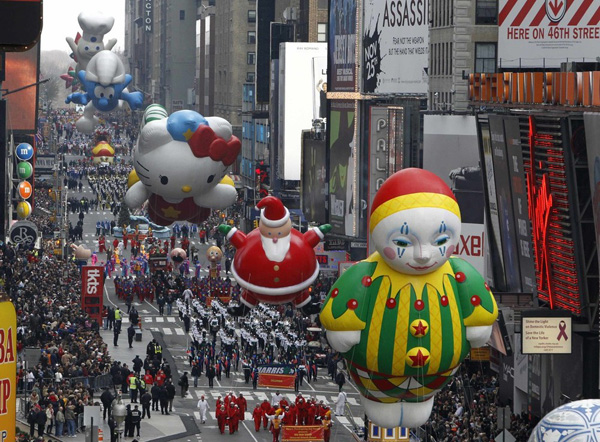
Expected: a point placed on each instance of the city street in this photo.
(169, 331)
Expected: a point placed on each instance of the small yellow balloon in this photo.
(132, 179)
(23, 209)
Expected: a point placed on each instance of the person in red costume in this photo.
(243, 404)
(221, 416)
(257, 415)
(274, 263)
(267, 410)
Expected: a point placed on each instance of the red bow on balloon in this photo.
(204, 142)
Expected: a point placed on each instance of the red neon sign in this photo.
(540, 207)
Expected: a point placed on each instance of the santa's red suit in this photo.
(275, 282)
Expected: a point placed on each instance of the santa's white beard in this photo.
(276, 251)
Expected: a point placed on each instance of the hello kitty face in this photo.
(166, 164)
(417, 241)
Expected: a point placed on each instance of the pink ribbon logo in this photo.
(562, 326)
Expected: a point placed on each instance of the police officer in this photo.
(136, 419)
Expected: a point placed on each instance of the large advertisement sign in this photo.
(342, 45)
(514, 152)
(508, 233)
(302, 433)
(92, 291)
(545, 33)
(395, 47)
(342, 164)
(592, 138)
(386, 147)
(276, 376)
(547, 335)
(314, 180)
(450, 151)
(8, 368)
(298, 82)
(22, 69)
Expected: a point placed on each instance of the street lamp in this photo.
(119, 412)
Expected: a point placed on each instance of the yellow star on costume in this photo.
(170, 212)
(188, 134)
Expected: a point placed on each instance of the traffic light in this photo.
(262, 173)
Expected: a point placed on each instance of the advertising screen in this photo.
(546, 33)
(22, 69)
(314, 180)
(342, 45)
(395, 47)
(342, 167)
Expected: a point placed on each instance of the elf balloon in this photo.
(104, 84)
(180, 162)
(274, 263)
(94, 25)
(406, 317)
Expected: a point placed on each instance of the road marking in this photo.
(311, 387)
(146, 301)
(179, 331)
(343, 420)
(167, 331)
(261, 396)
(160, 319)
(147, 318)
(249, 432)
(352, 401)
(170, 319)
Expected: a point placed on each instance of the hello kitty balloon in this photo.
(180, 166)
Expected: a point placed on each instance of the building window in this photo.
(323, 4)
(486, 12)
(252, 16)
(322, 32)
(251, 57)
(485, 57)
(251, 37)
(181, 14)
(249, 77)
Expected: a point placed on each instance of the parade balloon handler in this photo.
(407, 316)
(274, 263)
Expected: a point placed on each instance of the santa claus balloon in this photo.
(274, 263)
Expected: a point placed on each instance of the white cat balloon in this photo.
(180, 163)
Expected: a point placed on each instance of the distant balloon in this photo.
(104, 84)
(178, 255)
(94, 25)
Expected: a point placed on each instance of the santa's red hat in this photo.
(273, 213)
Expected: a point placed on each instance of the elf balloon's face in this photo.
(417, 241)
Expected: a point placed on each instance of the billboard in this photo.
(342, 45)
(450, 150)
(276, 376)
(92, 291)
(395, 47)
(545, 33)
(386, 147)
(8, 368)
(342, 167)
(314, 179)
(297, 86)
(546, 332)
(22, 70)
(592, 136)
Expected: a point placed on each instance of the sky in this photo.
(60, 21)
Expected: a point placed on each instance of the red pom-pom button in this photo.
(419, 305)
(475, 300)
(366, 281)
(352, 304)
(444, 300)
(460, 277)
(334, 293)
(390, 303)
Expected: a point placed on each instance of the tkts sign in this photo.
(92, 291)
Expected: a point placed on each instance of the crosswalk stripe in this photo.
(179, 331)
(154, 329)
(167, 331)
(159, 319)
(147, 319)
(170, 319)
(343, 420)
(261, 396)
(352, 401)
(359, 421)
(197, 415)
(291, 397)
(322, 398)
